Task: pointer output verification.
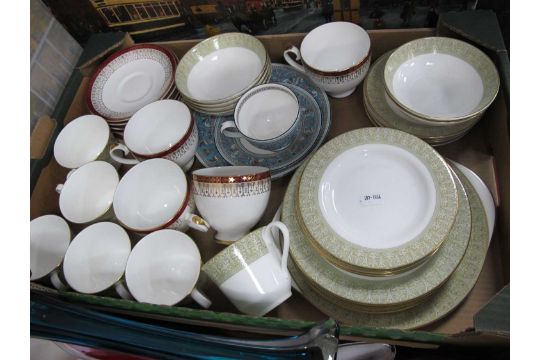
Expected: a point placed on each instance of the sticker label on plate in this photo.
(372, 199)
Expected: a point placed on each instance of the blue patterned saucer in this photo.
(281, 163)
(237, 152)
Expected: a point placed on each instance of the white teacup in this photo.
(84, 139)
(164, 268)
(336, 56)
(267, 116)
(88, 192)
(154, 195)
(162, 129)
(252, 273)
(49, 239)
(96, 259)
(232, 198)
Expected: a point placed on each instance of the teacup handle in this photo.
(57, 283)
(268, 238)
(227, 129)
(200, 298)
(122, 159)
(123, 291)
(294, 63)
(198, 223)
(60, 186)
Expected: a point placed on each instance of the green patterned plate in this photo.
(442, 302)
(382, 292)
(430, 229)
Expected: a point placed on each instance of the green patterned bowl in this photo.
(221, 68)
(441, 80)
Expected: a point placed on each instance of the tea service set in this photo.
(376, 228)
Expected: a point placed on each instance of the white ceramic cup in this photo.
(267, 116)
(96, 259)
(164, 268)
(84, 139)
(252, 273)
(232, 198)
(87, 194)
(154, 195)
(162, 129)
(49, 239)
(336, 56)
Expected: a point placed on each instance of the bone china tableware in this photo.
(231, 198)
(440, 79)
(252, 273)
(49, 239)
(84, 139)
(440, 304)
(162, 129)
(87, 194)
(336, 57)
(221, 68)
(163, 269)
(377, 200)
(214, 149)
(154, 195)
(267, 116)
(375, 295)
(483, 192)
(96, 259)
(382, 114)
(130, 79)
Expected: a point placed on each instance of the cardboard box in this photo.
(485, 150)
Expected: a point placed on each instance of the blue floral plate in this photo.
(217, 150)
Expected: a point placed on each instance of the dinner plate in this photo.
(375, 292)
(442, 301)
(482, 191)
(376, 200)
(375, 100)
(130, 79)
(207, 151)
(239, 152)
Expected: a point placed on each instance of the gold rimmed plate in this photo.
(377, 200)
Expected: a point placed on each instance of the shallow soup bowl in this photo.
(336, 56)
(232, 198)
(154, 195)
(221, 67)
(440, 79)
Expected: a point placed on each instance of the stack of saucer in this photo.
(435, 88)
(216, 72)
(128, 80)
(383, 232)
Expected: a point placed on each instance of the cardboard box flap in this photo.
(98, 46)
(41, 137)
(495, 315)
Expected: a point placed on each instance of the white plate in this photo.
(386, 187)
(484, 193)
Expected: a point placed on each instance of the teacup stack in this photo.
(216, 72)
(436, 88)
(128, 80)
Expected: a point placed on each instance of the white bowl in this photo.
(221, 67)
(441, 79)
